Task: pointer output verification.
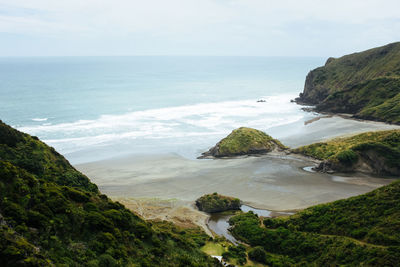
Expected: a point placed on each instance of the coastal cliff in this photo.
(244, 141)
(366, 84)
(370, 152)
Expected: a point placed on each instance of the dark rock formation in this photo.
(370, 152)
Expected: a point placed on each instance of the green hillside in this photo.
(51, 214)
(366, 84)
(376, 152)
(362, 230)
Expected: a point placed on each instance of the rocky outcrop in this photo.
(244, 141)
(372, 161)
(368, 162)
(212, 203)
(370, 152)
(313, 93)
(366, 84)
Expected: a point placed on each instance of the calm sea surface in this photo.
(91, 108)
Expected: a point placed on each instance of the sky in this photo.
(196, 27)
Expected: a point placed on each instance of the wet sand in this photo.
(268, 182)
(274, 182)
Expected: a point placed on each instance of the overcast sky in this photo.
(196, 27)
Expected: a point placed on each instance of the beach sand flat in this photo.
(145, 183)
(274, 182)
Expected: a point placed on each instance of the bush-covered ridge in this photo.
(362, 230)
(29, 153)
(366, 84)
(379, 150)
(244, 141)
(48, 217)
(217, 203)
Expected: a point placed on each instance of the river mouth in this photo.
(219, 222)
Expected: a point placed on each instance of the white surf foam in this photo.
(39, 119)
(190, 122)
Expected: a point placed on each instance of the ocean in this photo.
(93, 108)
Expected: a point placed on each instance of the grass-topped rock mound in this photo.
(366, 84)
(244, 141)
(371, 152)
(212, 203)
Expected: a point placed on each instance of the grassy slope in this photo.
(355, 231)
(362, 83)
(52, 214)
(37, 158)
(243, 140)
(347, 150)
(389, 110)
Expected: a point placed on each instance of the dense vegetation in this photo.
(38, 159)
(244, 141)
(217, 203)
(52, 214)
(236, 254)
(366, 84)
(362, 230)
(379, 150)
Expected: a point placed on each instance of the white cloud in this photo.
(193, 24)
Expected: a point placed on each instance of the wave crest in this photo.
(190, 121)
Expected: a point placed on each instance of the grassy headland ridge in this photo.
(51, 214)
(362, 230)
(217, 203)
(366, 84)
(244, 141)
(374, 152)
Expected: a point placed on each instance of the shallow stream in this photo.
(218, 222)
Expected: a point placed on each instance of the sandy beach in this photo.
(272, 182)
(165, 186)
